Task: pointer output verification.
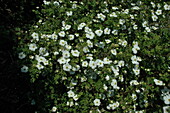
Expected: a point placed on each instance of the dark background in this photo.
(14, 87)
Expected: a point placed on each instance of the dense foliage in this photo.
(99, 56)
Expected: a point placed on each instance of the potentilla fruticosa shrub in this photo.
(99, 56)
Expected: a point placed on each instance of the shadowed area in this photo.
(14, 87)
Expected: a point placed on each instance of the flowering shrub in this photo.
(99, 56)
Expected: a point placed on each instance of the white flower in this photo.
(147, 29)
(121, 21)
(63, 23)
(84, 64)
(71, 37)
(121, 78)
(46, 2)
(31, 57)
(99, 32)
(62, 60)
(136, 71)
(135, 59)
(77, 67)
(115, 32)
(105, 11)
(61, 34)
(92, 64)
(124, 43)
(135, 8)
(21, 55)
(39, 66)
(24, 69)
(136, 45)
(158, 12)
(135, 27)
(121, 63)
(101, 16)
(67, 27)
(54, 109)
(166, 99)
(108, 107)
(144, 24)
(41, 59)
(90, 35)
(154, 17)
(89, 43)
(97, 102)
(113, 14)
(74, 6)
(167, 7)
(70, 103)
(56, 3)
(88, 30)
(66, 54)
(134, 96)
(75, 97)
(54, 36)
(68, 47)
(100, 44)
(43, 51)
(69, 13)
(113, 106)
(115, 70)
(107, 41)
(32, 47)
(158, 82)
(86, 49)
(70, 93)
(134, 82)
(138, 91)
(154, 28)
(159, 5)
(106, 61)
(63, 42)
(45, 62)
(166, 109)
(35, 36)
(126, 11)
(153, 4)
(115, 62)
(67, 67)
(134, 50)
(117, 104)
(107, 31)
(107, 77)
(105, 87)
(100, 63)
(89, 56)
(73, 68)
(113, 51)
(114, 84)
(75, 53)
(83, 79)
(115, 8)
(132, 16)
(80, 27)
(76, 34)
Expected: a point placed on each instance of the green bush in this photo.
(99, 56)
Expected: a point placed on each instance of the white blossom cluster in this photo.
(79, 47)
